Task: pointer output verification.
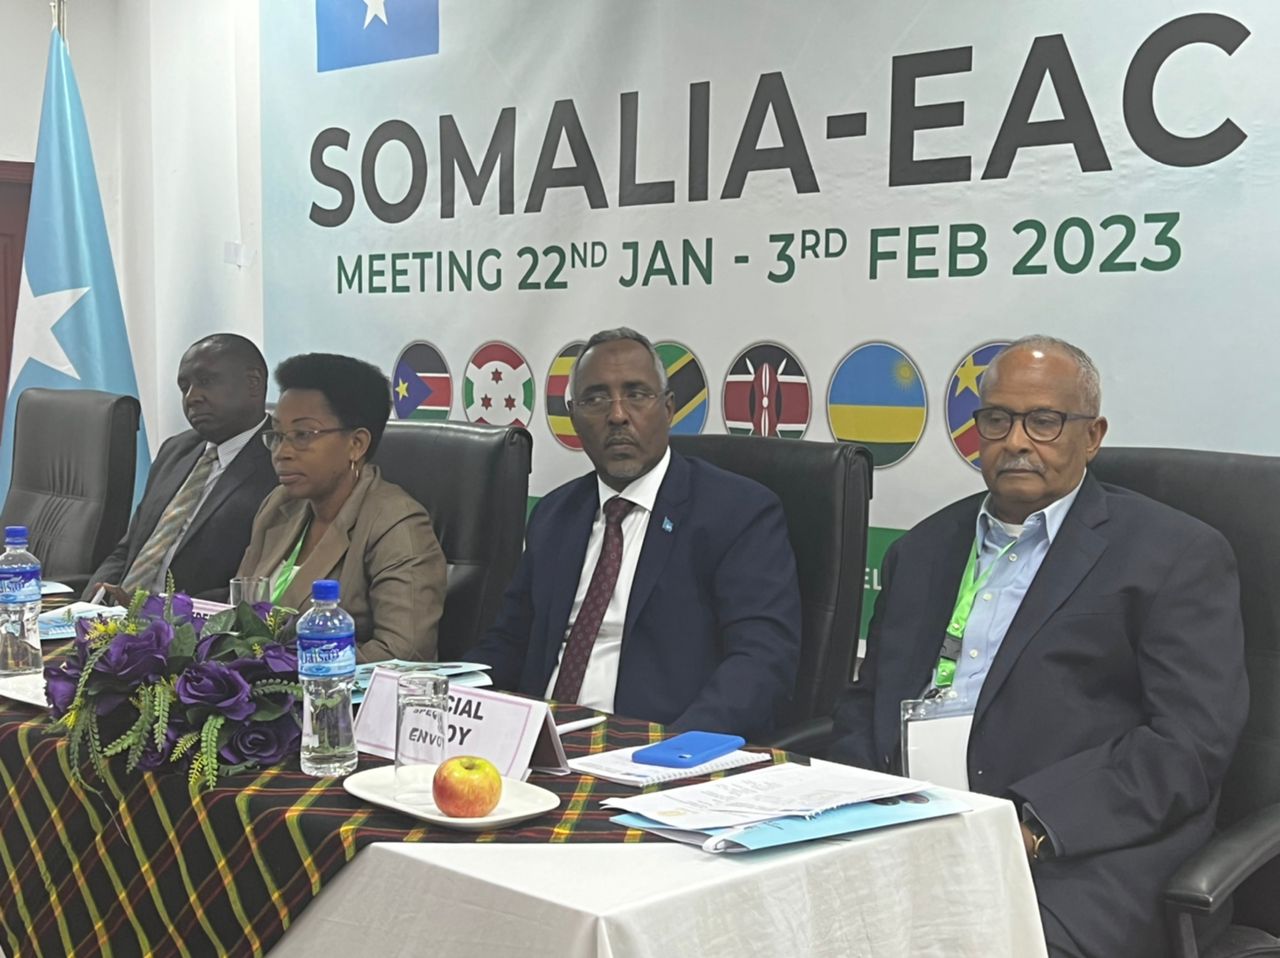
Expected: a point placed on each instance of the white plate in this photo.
(520, 801)
(27, 688)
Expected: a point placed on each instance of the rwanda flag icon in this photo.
(877, 399)
(355, 33)
(963, 399)
(421, 387)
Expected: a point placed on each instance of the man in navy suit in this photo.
(658, 586)
(205, 485)
(1100, 656)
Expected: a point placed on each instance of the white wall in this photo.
(170, 91)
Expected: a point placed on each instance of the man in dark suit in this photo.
(1100, 656)
(658, 586)
(205, 485)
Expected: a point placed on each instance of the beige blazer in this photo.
(382, 551)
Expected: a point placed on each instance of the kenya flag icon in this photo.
(497, 388)
(766, 393)
(421, 387)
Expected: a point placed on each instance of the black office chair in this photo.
(1237, 495)
(74, 458)
(825, 490)
(474, 480)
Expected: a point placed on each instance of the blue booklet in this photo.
(845, 820)
(470, 674)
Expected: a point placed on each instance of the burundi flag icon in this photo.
(877, 399)
(421, 387)
(497, 388)
(963, 399)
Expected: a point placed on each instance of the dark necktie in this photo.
(147, 567)
(582, 637)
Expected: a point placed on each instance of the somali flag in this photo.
(70, 331)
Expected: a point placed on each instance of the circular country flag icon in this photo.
(557, 390)
(877, 399)
(688, 384)
(497, 388)
(766, 393)
(421, 387)
(962, 400)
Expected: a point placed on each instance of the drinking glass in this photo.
(422, 707)
(249, 588)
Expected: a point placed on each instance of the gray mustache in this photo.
(1020, 462)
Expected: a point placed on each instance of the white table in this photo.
(951, 887)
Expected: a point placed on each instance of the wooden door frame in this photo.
(16, 171)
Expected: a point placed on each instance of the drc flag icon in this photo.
(353, 33)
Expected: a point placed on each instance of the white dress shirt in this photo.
(601, 678)
(227, 452)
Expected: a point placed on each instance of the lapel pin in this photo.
(667, 524)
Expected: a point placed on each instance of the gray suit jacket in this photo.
(214, 543)
(382, 551)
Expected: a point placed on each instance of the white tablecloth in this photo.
(952, 887)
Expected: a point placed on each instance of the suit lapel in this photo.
(235, 475)
(167, 487)
(566, 563)
(939, 596)
(330, 550)
(1075, 550)
(660, 535)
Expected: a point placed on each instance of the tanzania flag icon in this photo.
(497, 388)
(688, 384)
(422, 387)
(557, 389)
(877, 399)
(766, 393)
(962, 400)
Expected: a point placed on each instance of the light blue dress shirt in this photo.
(1001, 596)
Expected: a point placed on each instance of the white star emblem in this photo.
(33, 336)
(375, 8)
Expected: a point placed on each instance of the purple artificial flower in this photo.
(60, 683)
(153, 758)
(153, 608)
(206, 687)
(135, 658)
(262, 610)
(275, 661)
(264, 743)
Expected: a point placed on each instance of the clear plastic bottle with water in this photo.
(327, 671)
(19, 605)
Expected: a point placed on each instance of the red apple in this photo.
(466, 786)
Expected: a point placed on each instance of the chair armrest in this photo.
(1207, 879)
(808, 737)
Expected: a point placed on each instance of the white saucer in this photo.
(520, 801)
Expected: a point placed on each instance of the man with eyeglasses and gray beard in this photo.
(657, 586)
(1088, 642)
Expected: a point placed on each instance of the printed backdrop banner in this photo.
(830, 214)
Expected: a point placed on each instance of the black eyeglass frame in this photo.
(1063, 419)
(601, 405)
(273, 438)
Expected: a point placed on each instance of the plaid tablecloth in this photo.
(222, 872)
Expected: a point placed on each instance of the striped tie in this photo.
(146, 567)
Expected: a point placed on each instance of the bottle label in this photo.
(326, 657)
(19, 585)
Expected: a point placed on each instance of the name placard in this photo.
(505, 729)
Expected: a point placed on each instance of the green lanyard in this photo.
(971, 584)
(289, 569)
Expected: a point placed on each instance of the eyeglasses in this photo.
(297, 438)
(1041, 425)
(637, 401)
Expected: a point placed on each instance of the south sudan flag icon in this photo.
(557, 389)
(877, 399)
(421, 387)
(688, 384)
(766, 393)
(962, 400)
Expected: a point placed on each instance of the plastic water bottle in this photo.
(19, 605)
(327, 671)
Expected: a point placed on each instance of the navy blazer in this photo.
(214, 543)
(712, 634)
(1112, 707)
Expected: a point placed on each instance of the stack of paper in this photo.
(782, 804)
(473, 675)
(617, 766)
(60, 624)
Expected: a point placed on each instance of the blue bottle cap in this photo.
(324, 590)
(15, 535)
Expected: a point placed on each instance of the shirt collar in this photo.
(643, 491)
(230, 448)
(1050, 517)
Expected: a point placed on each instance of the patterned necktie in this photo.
(146, 567)
(582, 637)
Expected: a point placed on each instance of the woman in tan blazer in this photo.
(334, 517)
